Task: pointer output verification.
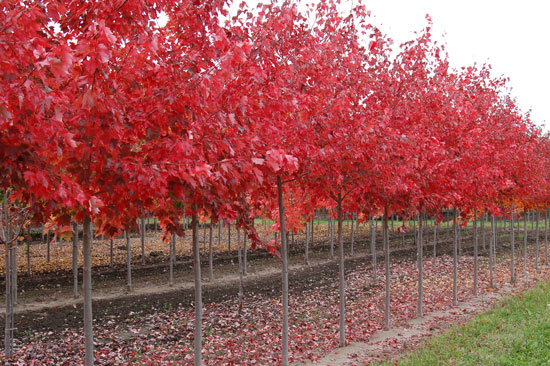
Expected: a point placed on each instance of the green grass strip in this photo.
(516, 332)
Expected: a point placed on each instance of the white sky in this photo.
(512, 36)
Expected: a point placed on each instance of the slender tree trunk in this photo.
(387, 265)
(198, 288)
(435, 239)
(128, 263)
(143, 240)
(75, 261)
(312, 230)
(14, 272)
(219, 234)
(491, 252)
(284, 254)
(455, 260)
(525, 244)
(483, 230)
(171, 259)
(111, 252)
(342, 283)
(210, 259)
(537, 233)
(229, 238)
(29, 256)
(48, 248)
(9, 318)
(459, 240)
(373, 247)
(240, 258)
(476, 249)
(420, 268)
(513, 235)
(546, 236)
(87, 290)
(245, 271)
(414, 231)
(331, 237)
(307, 244)
(403, 234)
(352, 236)
(8, 326)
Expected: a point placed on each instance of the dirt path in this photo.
(389, 344)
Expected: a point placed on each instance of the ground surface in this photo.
(153, 325)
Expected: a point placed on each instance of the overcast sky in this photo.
(512, 36)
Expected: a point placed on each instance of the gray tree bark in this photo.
(524, 244)
(284, 254)
(210, 259)
(373, 247)
(87, 291)
(143, 240)
(75, 261)
(513, 259)
(342, 280)
(455, 261)
(128, 263)
(476, 249)
(198, 288)
(387, 265)
(420, 268)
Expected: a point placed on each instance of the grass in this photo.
(516, 332)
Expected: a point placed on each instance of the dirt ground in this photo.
(46, 301)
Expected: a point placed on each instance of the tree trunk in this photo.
(75, 261)
(111, 252)
(459, 240)
(387, 265)
(128, 263)
(312, 231)
(284, 254)
(331, 237)
(420, 268)
(198, 288)
(219, 233)
(476, 249)
(171, 259)
(229, 238)
(307, 244)
(210, 259)
(352, 236)
(435, 239)
(342, 283)
(87, 290)
(143, 240)
(483, 220)
(373, 247)
(240, 258)
(524, 244)
(28, 241)
(537, 233)
(513, 259)
(546, 236)
(491, 252)
(455, 260)
(48, 248)
(245, 271)
(9, 318)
